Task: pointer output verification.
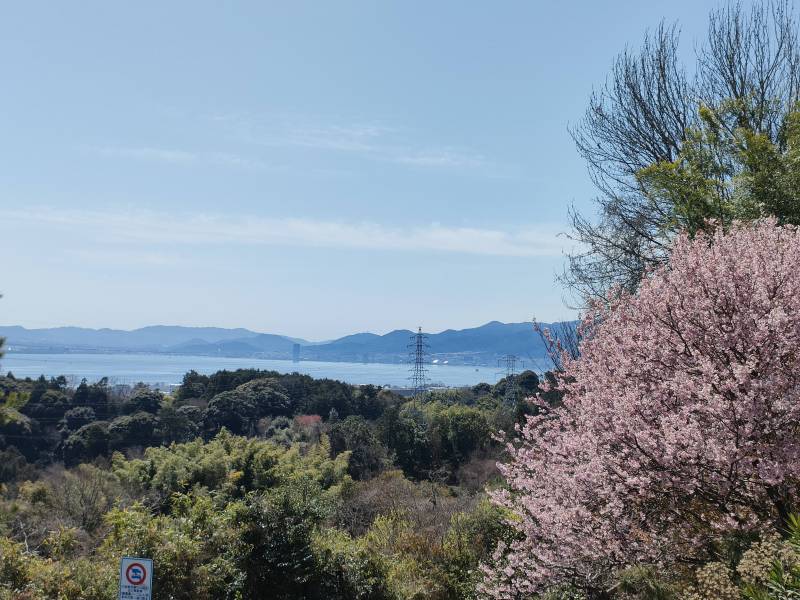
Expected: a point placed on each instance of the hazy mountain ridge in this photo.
(476, 345)
(154, 337)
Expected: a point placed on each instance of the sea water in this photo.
(167, 370)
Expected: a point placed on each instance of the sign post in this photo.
(135, 578)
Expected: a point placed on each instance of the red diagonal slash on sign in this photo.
(136, 574)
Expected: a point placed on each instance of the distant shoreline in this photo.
(10, 350)
(169, 369)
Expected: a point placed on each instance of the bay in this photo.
(166, 370)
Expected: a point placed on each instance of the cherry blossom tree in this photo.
(680, 420)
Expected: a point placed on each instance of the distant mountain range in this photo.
(477, 345)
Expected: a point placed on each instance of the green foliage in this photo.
(471, 537)
(232, 411)
(24, 576)
(47, 405)
(405, 431)
(179, 424)
(11, 406)
(193, 386)
(16, 429)
(367, 455)
(304, 394)
(307, 511)
(645, 583)
(138, 429)
(765, 569)
(88, 442)
(459, 432)
(278, 527)
(14, 466)
(347, 568)
(54, 424)
(235, 518)
(267, 397)
(564, 593)
(195, 547)
(94, 396)
(75, 418)
(527, 384)
(228, 464)
(434, 437)
(145, 400)
(726, 172)
(776, 576)
(238, 410)
(14, 569)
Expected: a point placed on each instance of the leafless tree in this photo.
(560, 340)
(642, 115)
(752, 56)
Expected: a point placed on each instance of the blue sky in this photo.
(305, 168)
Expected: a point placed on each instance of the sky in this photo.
(304, 168)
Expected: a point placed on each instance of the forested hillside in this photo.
(250, 484)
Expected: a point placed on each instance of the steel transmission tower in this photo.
(417, 349)
(512, 387)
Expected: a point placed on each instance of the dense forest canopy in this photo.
(250, 484)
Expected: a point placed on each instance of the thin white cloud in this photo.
(147, 227)
(373, 141)
(180, 157)
(136, 257)
(349, 138)
(183, 157)
(443, 158)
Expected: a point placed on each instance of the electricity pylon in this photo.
(512, 387)
(417, 350)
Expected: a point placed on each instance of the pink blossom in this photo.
(679, 422)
